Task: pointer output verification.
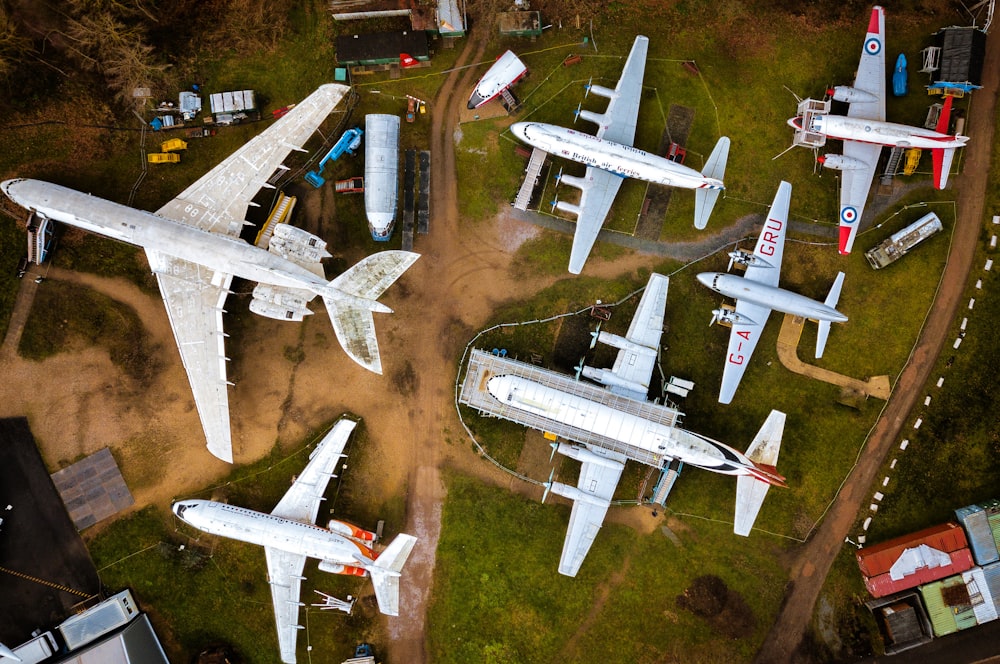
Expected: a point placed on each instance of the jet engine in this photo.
(851, 95)
(839, 162)
(349, 530)
(279, 303)
(337, 568)
(297, 245)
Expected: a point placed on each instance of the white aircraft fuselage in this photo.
(621, 426)
(772, 297)
(504, 73)
(880, 133)
(622, 160)
(272, 531)
(220, 253)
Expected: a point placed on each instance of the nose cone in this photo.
(796, 122)
(706, 278)
(476, 100)
(519, 129)
(179, 508)
(5, 186)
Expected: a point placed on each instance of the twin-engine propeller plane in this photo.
(289, 536)
(610, 157)
(757, 294)
(864, 131)
(194, 248)
(610, 429)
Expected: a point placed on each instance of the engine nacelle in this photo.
(568, 207)
(851, 95)
(350, 530)
(730, 317)
(279, 303)
(297, 245)
(839, 162)
(338, 568)
(747, 259)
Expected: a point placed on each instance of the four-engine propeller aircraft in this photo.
(757, 294)
(610, 157)
(864, 131)
(194, 248)
(289, 536)
(610, 431)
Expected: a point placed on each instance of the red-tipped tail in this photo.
(769, 474)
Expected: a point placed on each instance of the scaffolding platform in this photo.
(483, 366)
(424, 193)
(807, 136)
(531, 173)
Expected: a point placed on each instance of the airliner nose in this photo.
(706, 278)
(518, 129)
(5, 186)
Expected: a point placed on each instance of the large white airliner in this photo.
(194, 248)
(864, 131)
(757, 294)
(289, 536)
(616, 424)
(610, 157)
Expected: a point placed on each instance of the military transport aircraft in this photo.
(610, 157)
(194, 248)
(757, 294)
(289, 536)
(864, 131)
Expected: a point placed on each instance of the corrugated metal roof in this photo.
(942, 616)
(980, 596)
(879, 559)
(977, 529)
(992, 575)
(882, 584)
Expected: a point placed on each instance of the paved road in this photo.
(814, 559)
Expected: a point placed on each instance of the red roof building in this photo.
(912, 560)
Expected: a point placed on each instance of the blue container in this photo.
(899, 87)
(977, 528)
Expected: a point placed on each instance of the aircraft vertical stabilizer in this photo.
(385, 572)
(941, 158)
(705, 198)
(824, 325)
(751, 491)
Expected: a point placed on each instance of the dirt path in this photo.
(815, 558)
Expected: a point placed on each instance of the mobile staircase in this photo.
(348, 143)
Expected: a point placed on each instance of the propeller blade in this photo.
(548, 485)
(554, 203)
(593, 338)
(559, 175)
(587, 87)
(732, 257)
(579, 367)
(715, 317)
(554, 446)
(576, 113)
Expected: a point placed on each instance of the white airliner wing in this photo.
(301, 501)
(856, 183)
(645, 329)
(284, 571)
(743, 338)
(771, 243)
(194, 297)
(596, 487)
(871, 71)
(218, 200)
(622, 113)
(598, 191)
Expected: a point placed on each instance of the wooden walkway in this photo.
(788, 343)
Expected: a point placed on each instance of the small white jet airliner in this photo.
(864, 131)
(757, 294)
(194, 248)
(610, 157)
(612, 429)
(289, 536)
(505, 72)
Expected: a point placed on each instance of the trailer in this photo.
(898, 244)
(355, 185)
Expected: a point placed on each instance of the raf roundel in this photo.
(873, 46)
(849, 215)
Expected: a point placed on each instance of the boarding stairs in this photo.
(279, 215)
(668, 476)
(535, 163)
(892, 166)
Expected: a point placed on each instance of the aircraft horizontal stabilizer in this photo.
(705, 198)
(750, 490)
(824, 325)
(385, 572)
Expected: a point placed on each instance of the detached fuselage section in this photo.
(381, 174)
(505, 72)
